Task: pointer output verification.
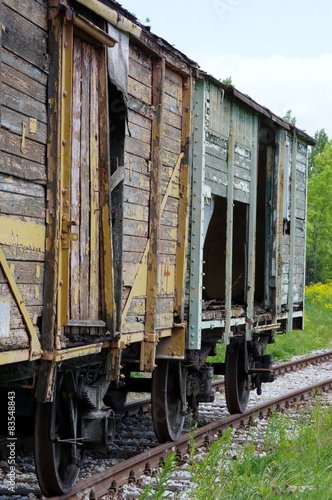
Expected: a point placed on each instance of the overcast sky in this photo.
(278, 52)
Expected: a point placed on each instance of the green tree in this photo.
(289, 118)
(319, 230)
(321, 139)
(227, 81)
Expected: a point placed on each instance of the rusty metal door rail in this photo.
(127, 471)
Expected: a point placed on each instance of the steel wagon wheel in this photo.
(237, 379)
(55, 440)
(167, 401)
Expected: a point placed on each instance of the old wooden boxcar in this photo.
(147, 212)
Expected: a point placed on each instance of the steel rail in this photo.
(128, 470)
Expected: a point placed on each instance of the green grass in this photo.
(296, 463)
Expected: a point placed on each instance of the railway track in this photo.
(110, 479)
(127, 471)
(219, 385)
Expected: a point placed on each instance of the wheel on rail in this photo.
(56, 453)
(237, 379)
(167, 401)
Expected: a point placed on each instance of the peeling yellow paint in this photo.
(37, 271)
(21, 233)
(12, 269)
(36, 292)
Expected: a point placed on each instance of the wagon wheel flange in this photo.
(167, 400)
(237, 379)
(56, 454)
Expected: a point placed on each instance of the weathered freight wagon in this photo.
(147, 212)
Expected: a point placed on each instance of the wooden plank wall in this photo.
(137, 189)
(137, 181)
(217, 134)
(300, 212)
(23, 157)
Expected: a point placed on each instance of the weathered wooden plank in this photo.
(173, 76)
(217, 140)
(216, 151)
(136, 179)
(135, 212)
(25, 272)
(139, 90)
(31, 294)
(20, 167)
(172, 133)
(13, 121)
(19, 65)
(174, 90)
(140, 107)
(132, 256)
(17, 253)
(242, 173)
(172, 104)
(174, 146)
(13, 185)
(18, 339)
(139, 133)
(216, 163)
(16, 204)
(19, 35)
(36, 12)
(242, 162)
(134, 324)
(85, 183)
(16, 322)
(137, 148)
(134, 195)
(136, 243)
(32, 150)
(216, 176)
(167, 247)
(135, 228)
(136, 164)
(217, 188)
(24, 104)
(240, 195)
(164, 320)
(23, 83)
(138, 55)
(168, 233)
(137, 307)
(169, 219)
(173, 119)
(140, 73)
(75, 181)
(94, 190)
(138, 119)
(169, 158)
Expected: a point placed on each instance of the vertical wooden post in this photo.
(148, 346)
(290, 300)
(65, 178)
(107, 242)
(252, 232)
(182, 233)
(229, 229)
(278, 224)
